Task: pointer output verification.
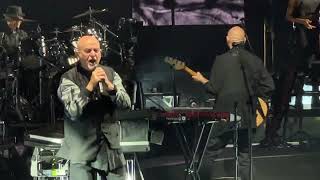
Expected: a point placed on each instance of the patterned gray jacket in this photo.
(87, 118)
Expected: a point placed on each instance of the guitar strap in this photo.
(250, 85)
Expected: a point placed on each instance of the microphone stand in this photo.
(243, 24)
(236, 140)
(251, 111)
(174, 88)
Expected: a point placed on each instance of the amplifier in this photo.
(44, 163)
(134, 136)
(160, 100)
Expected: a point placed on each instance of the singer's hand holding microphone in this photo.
(100, 79)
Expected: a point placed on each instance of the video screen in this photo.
(188, 12)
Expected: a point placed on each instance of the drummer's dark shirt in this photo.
(11, 42)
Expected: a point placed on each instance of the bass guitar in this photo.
(262, 109)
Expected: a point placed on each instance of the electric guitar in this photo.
(262, 109)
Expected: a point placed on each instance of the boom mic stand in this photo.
(243, 25)
(250, 110)
(249, 90)
(235, 140)
(174, 88)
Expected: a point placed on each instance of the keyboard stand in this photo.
(189, 155)
(193, 168)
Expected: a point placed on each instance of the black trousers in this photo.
(216, 146)
(82, 171)
(281, 99)
(298, 56)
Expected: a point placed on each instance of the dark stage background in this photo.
(188, 12)
(197, 45)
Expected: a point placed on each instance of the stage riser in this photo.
(267, 168)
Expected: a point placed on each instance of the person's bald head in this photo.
(89, 52)
(235, 35)
(85, 40)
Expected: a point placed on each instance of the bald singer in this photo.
(229, 84)
(90, 94)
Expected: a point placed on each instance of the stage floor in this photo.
(166, 162)
(295, 162)
(290, 163)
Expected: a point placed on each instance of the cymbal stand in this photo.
(90, 13)
(104, 28)
(43, 54)
(52, 116)
(104, 39)
(16, 85)
(104, 36)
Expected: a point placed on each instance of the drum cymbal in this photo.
(29, 20)
(74, 29)
(52, 39)
(90, 12)
(55, 32)
(23, 20)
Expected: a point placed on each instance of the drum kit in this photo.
(30, 84)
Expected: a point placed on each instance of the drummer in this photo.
(14, 35)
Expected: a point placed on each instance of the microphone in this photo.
(100, 83)
(100, 86)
